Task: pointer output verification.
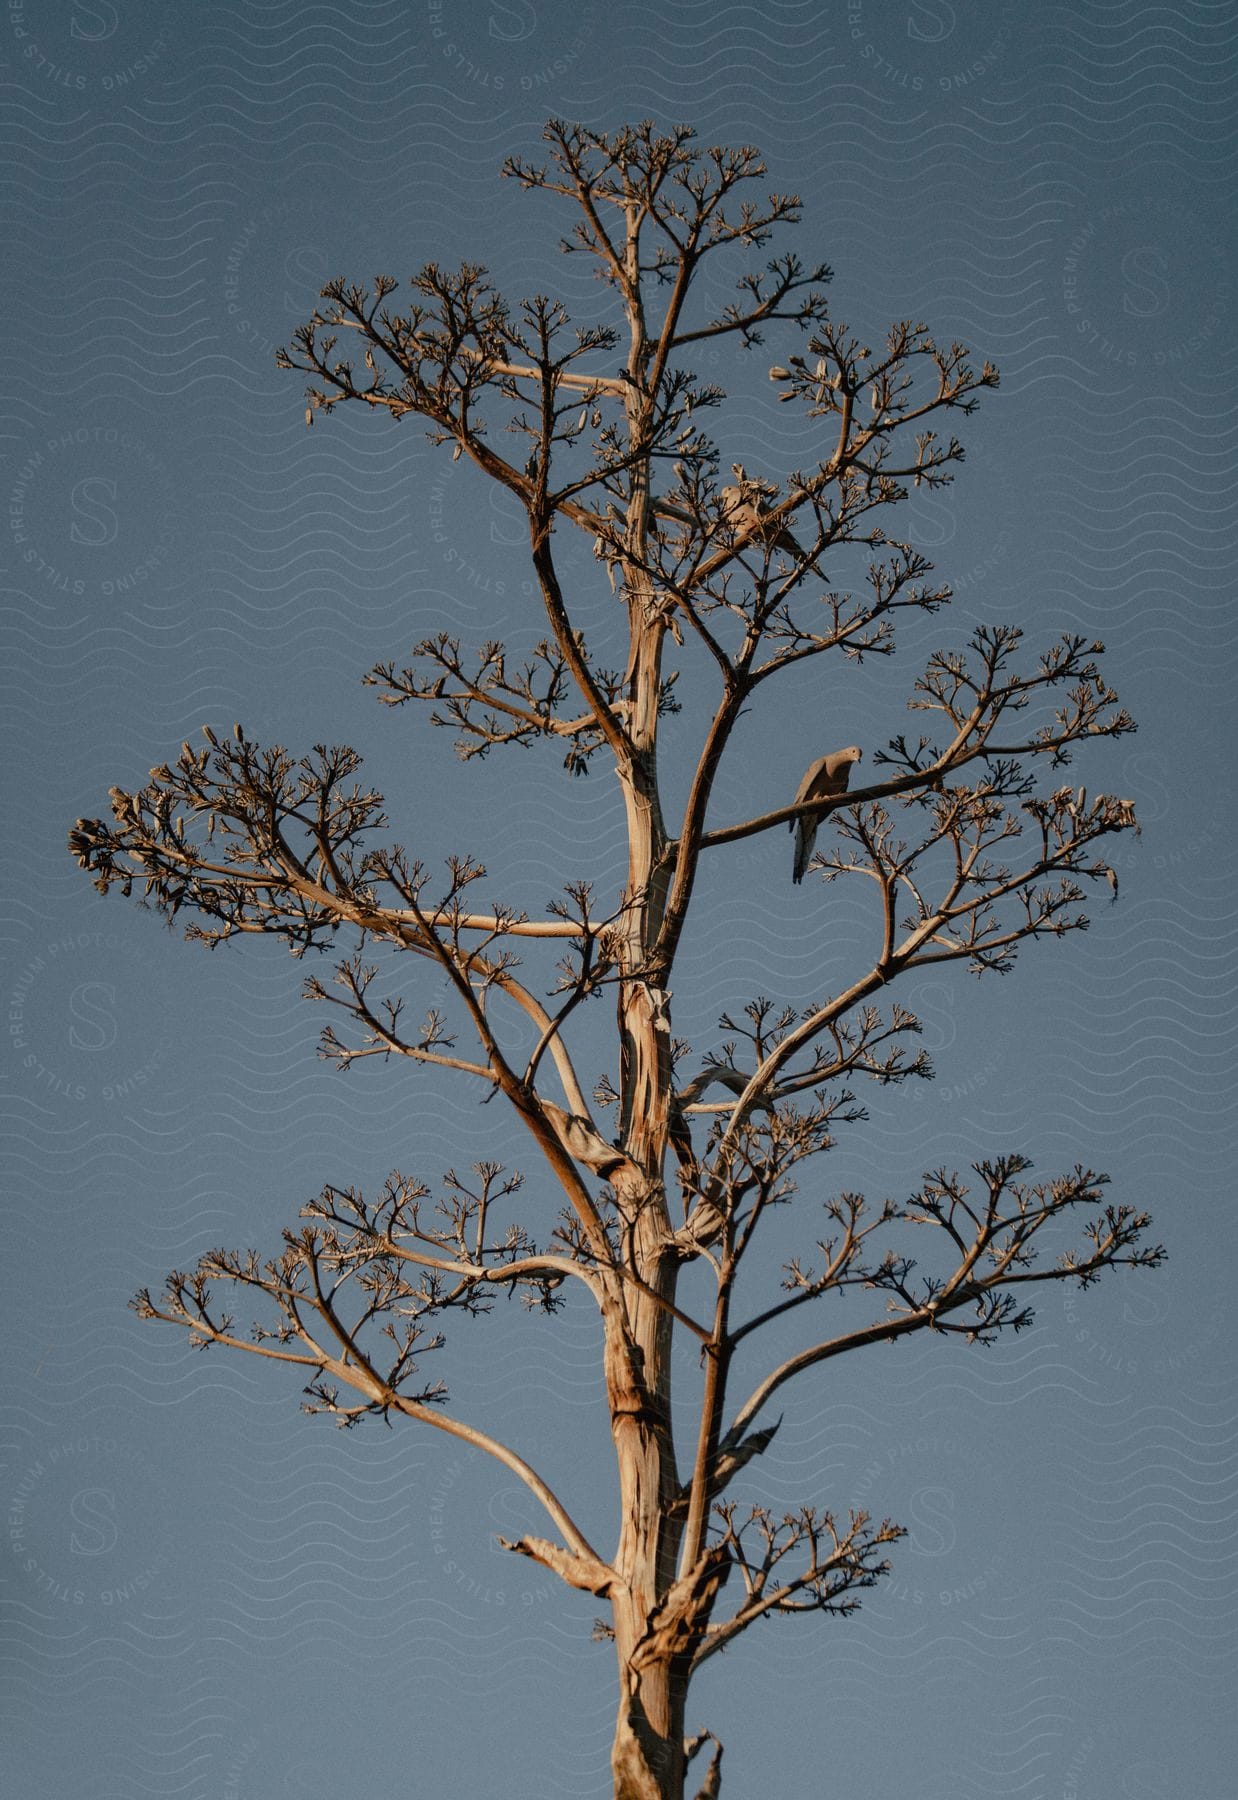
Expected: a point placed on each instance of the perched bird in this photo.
(735, 1450)
(822, 781)
(744, 507)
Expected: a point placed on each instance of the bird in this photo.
(743, 508)
(735, 1450)
(823, 779)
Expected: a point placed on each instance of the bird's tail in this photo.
(803, 850)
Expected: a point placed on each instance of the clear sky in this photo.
(209, 1596)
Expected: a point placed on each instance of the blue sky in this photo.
(208, 1595)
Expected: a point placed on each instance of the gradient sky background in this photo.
(209, 1596)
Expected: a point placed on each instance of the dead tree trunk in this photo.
(647, 1759)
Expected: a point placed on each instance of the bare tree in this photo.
(968, 846)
